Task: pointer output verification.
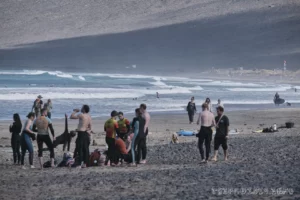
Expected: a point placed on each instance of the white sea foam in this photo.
(81, 78)
(267, 89)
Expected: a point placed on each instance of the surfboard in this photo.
(279, 101)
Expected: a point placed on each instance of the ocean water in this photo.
(107, 92)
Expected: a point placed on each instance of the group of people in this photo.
(118, 134)
(38, 106)
(192, 109)
(206, 120)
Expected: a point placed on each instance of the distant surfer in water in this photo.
(276, 96)
(191, 109)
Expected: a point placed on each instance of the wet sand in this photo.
(262, 161)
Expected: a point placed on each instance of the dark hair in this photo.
(207, 99)
(31, 114)
(205, 105)
(143, 106)
(121, 113)
(138, 111)
(220, 108)
(86, 108)
(44, 110)
(114, 113)
(192, 98)
(17, 119)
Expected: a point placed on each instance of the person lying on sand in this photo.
(222, 130)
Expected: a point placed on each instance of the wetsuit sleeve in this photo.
(117, 128)
(34, 128)
(127, 125)
(187, 107)
(136, 128)
(51, 129)
(227, 125)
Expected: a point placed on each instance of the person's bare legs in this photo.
(215, 156)
(225, 155)
(41, 162)
(52, 162)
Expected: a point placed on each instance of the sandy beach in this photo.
(260, 166)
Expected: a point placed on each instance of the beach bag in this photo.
(48, 164)
(95, 158)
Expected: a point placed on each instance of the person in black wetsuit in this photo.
(222, 130)
(140, 139)
(16, 129)
(191, 109)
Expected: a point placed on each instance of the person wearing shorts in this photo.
(222, 130)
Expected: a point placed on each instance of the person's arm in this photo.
(52, 130)
(66, 123)
(74, 116)
(195, 108)
(117, 128)
(199, 120)
(213, 120)
(187, 107)
(136, 128)
(227, 129)
(129, 147)
(147, 119)
(105, 126)
(127, 125)
(27, 128)
(51, 127)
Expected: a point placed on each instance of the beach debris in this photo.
(289, 124)
(175, 139)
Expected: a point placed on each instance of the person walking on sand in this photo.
(37, 106)
(141, 140)
(208, 102)
(26, 143)
(15, 130)
(222, 130)
(219, 103)
(124, 126)
(191, 109)
(111, 128)
(48, 106)
(84, 131)
(41, 125)
(138, 124)
(206, 120)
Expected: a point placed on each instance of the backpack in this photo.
(95, 158)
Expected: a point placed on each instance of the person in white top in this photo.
(220, 104)
(208, 102)
(206, 120)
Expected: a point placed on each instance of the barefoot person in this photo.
(48, 106)
(37, 106)
(191, 109)
(15, 130)
(84, 130)
(111, 128)
(124, 126)
(222, 130)
(208, 102)
(41, 125)
(138, 124)
(26, 143)
(206, 120)
(142, 136)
